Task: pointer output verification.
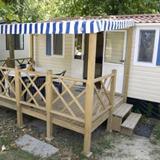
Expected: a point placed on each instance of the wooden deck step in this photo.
(122, 110)
(119, 115)
(130, 123)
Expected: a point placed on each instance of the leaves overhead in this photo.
(107, 7)
(36, 10)
(25, 10)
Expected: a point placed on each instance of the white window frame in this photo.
(63, 47)
(124, 46)
(137, 44)
(83, 45)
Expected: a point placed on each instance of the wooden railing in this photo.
(7, 84)
(104, 92)
(56, 95)
(33, 86)
(70, 102)
(17, 61)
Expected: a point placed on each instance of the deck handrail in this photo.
(2, 60)
(103, 77)
(105, 92)
(18, 60)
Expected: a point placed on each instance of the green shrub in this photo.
(156, 132)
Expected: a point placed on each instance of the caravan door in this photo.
(114, 56)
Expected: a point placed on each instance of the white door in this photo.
(77, 58)
(114, 56)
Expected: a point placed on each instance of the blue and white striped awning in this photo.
(66, 27)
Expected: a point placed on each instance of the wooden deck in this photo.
(67, 108)
(57, 119)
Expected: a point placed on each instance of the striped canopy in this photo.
(66, 27)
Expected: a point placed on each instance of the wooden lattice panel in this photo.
(102, 99)
(70, 102)
(33, 88)
(7, 83)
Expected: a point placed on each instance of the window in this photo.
(146, 45)
(115, 47)
(18, 42)
(58, 44)
(78, 47)
(54, 45)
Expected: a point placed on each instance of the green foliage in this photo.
(156, 132)
(105, 142)
(34, 10)
(27, 10)
(107, 7)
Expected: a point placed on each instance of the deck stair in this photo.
(123, 120)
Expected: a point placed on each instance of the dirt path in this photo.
(135, 148)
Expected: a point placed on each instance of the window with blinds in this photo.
(146, 45)
(18, 42)
(54, 44)
(57, 44)
(114, 48)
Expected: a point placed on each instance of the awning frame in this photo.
(67, 27)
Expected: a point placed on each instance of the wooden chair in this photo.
(39, 82)
(1, 78)
(22, 66)
(58, 85)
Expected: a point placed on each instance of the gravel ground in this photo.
(69, 143)
(135, 148)
(105, 146)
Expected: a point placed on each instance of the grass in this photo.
(69, 143)
(156, 132)
(104, 142)
(17, 154)
(14, 153)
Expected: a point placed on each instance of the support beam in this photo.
(89, 94)
(49, 99)
(112, 96)
(127, 63)
(18, 97)
(32, 46)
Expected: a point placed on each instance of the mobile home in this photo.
(106, 60)
(141, 70)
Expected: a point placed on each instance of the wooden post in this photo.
(32, 47)
(112, 95)
(49, 99)
(11, 51)
(89, 94)
(127, 63)
(18, 98)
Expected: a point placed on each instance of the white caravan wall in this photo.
(144, 81)
(57, 64)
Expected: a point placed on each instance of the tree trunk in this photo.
(11, 51)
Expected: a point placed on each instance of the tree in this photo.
(23, 11)
(6, 13)
(107, 7)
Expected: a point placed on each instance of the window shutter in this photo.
(158, 54)
(48, 45)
